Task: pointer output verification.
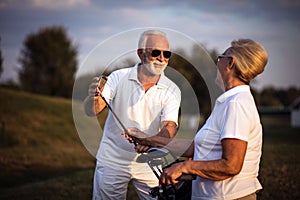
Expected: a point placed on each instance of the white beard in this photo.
(156, 67)
(219, 81)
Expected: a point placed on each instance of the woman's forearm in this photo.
(214, 170)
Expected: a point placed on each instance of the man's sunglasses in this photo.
(156, 52)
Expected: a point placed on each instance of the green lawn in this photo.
(42, 157)
(280, 166)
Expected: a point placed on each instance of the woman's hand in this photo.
(171, 174)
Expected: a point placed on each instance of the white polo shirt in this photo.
(234, 116)
(135, 108)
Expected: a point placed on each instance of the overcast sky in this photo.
(215, 23)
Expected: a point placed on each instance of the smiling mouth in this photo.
(157, 65)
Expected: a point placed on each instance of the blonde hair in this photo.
(250, 58)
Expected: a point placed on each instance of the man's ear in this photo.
(141, 54)
(139, 51)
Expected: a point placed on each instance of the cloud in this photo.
(274, 23)
(42, 4)
(8, 4)
(59, 5)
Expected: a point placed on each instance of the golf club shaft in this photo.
(102, 82)
(116, 117)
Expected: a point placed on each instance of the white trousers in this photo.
(110, 183)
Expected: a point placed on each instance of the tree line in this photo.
(48, 60)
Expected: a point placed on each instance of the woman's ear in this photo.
(231, 63)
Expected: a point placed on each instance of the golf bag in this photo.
(159, 159)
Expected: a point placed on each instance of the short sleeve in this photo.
(237, 122)
(111, 85)
(171, 106)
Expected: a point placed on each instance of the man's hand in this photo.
(94, 103)
(135, 133)
(137, 136)
(93, 87)
(141, 148)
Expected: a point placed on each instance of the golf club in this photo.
(102, 82)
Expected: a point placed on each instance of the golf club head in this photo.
(157, 152)
(143, 158)
(152, 153)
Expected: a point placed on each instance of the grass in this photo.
(42, 156)
(280, 165)
(38, 139)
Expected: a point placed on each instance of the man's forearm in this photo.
(93, 105)
(168, 130)
(179, 147)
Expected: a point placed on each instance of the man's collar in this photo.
(133, 75)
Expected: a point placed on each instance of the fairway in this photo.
(280, 165)
(42, 157)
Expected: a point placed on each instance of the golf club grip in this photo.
(102, 81)
(187, 177)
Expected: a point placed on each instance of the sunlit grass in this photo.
(42, 156)
(38, 138)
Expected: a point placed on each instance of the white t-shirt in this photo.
(234, 116)
(135, 108)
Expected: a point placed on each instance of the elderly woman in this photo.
(227, 149)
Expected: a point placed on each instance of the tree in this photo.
(1, 60)
(199, 79)
(49, 63)
(182, 70)
(268, 98)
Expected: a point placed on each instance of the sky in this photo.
(214, 23)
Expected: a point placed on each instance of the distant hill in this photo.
(38, 136)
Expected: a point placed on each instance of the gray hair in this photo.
(144, 36)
